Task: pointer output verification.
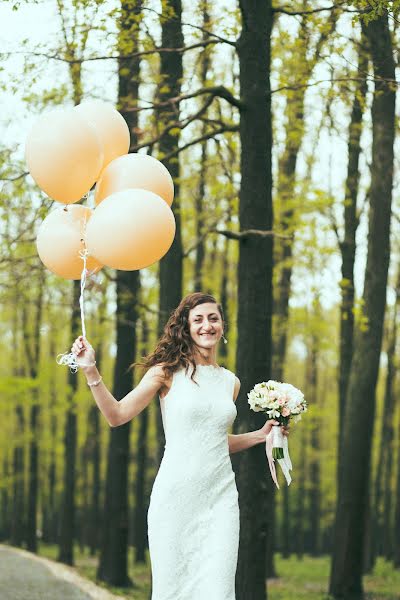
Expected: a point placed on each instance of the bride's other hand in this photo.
(84, 352)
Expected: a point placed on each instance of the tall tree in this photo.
(396, 523)
(355, 455)
(253, 357)
(199, 198)
(141, 504)
(351, 219)
(17, 525)
(113, 566)
(93, 444)
(32, 350)
(382, 509)
(67, 518)
(171, 73)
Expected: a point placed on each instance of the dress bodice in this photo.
(199, 411)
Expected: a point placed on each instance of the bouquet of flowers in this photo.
(283, 403)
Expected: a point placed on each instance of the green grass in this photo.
(299, 579)
(307, 579)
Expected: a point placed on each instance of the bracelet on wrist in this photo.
(94, 383)
(93, 364)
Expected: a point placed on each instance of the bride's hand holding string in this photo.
(84, 352)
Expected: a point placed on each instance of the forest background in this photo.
(277, 123)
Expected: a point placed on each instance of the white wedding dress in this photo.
(193, 516)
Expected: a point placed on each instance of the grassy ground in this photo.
(305, 579)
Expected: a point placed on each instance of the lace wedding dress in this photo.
(193, 517)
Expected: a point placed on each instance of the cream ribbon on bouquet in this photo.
(282, 402)
(276, 439)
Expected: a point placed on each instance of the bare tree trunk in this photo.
(32, 350)
(113, 566)
(253, 356)
(18, 525)
(141, 501)
(95, 517)
(380, 536)
(5, 503)
(50, 513)
(347, 562)
(348, 245)
(314, 463)
(299, 533)
(67, 517)
(199, 199)
(396, 524)
(170, 273)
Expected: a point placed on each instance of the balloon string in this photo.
(83, 255)
(68, 358)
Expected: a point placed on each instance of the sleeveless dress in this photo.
(193, 515)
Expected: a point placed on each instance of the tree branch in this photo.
(219, 91)
(120, 56)
(21, 176)
(247, 233)
(202, 138)
(330, 80)
(202, 29)
(337, 6)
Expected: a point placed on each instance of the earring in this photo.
(224, 338)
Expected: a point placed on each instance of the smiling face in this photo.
(205, 325)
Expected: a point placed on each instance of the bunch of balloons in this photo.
(132, 226)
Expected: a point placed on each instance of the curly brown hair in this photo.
(175, 347)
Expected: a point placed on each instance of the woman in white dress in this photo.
(193, 516)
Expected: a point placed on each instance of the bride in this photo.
(193, 516)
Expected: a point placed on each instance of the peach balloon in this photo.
(64, 155)
(135, 171)
(130, 230)
(110, 126)
(59, 241)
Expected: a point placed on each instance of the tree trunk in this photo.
(199, 199)
(347, 562)
(314, 462)
(140, 513)
(299, 533)
(253, 358)
(348, 245)
(50, 520)
(396, 524)
(18, 532)
(384, 468)
(113, 567)
(95, 517)
(5, 502)
(170, 273)
(388, 532)
(32, 351)
(18, 493)
(67, 517)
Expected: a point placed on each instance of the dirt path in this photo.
(25, 576)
